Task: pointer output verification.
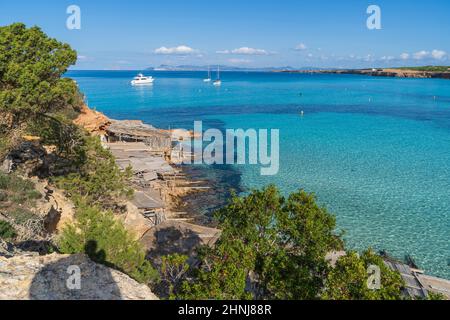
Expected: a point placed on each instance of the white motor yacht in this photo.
(141, 79)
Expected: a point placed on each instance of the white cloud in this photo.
(438, 54)
(180, 50)
(249, 51)
(387, 58)
(421, 55)
(404, 56)
(368, 58)
(245, 51)
(301, 47)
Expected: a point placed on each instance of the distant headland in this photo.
(442, 72)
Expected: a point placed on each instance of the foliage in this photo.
(4, 144)
(428, 68)
(17, 197)
(348, 280)
(173, 271)
(98, 180)
(7, 231)
(435, 296)
(33, 94)
(222, 274)
(21, 215)
(59, 130)
(31, 66)
(105, 240)
(17, 190)
(269, 245)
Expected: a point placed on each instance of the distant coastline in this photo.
(421, 73)
(429, 72)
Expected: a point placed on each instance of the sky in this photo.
(118, 34)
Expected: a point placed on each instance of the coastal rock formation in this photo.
(29, 156)
(32, 277)
(94, 122)
(177, 237)
(55, 207)
(135, 222)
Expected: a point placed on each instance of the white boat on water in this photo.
(209, 76)
(141, 79)
(218, 82)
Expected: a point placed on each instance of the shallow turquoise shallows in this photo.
(375, 151)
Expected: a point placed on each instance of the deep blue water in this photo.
(376, 151)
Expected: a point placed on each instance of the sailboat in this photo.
(218, 82)
(209, 76)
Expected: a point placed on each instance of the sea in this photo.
(375, 151)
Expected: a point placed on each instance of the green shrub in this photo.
(31, 77)
(348, 279)
(17, 192)
(105, 240)
(7, 231)
(428, 68)
(4, 145)
(279, 242)
(99, 181)
(20, 215)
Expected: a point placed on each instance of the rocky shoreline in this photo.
(389, 72)
(171, 194)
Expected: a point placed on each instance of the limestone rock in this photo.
(94, 122)
(135, 222)
(31, 277)
(29, 156)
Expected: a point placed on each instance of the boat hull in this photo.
(139, 82)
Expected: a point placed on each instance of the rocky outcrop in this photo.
(177, 237)
(94, 122)
(57, 210)
(135, 222)
(54, 277)
(29, 156)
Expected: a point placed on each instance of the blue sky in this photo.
(301, 33)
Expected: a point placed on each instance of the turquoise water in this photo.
(376, 151)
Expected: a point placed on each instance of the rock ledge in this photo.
(32, 277)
